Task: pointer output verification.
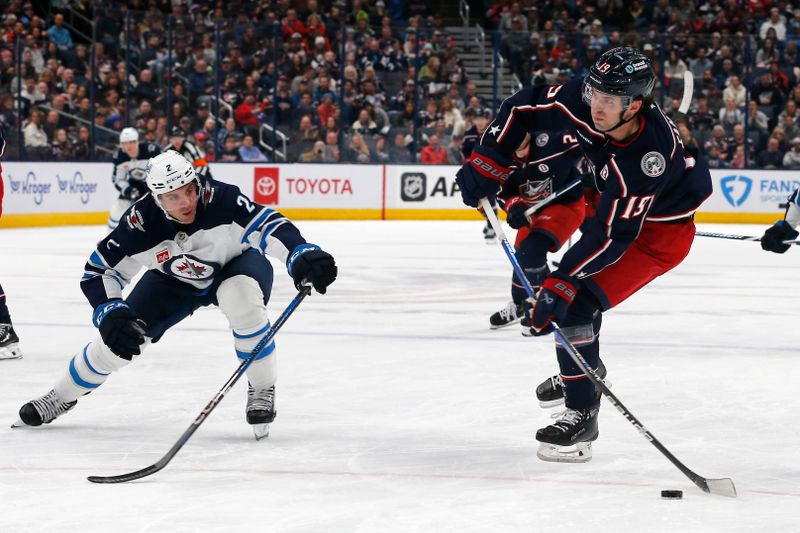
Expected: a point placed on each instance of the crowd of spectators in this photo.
(373, 81)
(337, 81)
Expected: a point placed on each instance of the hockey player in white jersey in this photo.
(130, 160)
(203, 243)
(783, 230)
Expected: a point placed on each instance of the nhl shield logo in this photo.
(412, 186)
(653, 164)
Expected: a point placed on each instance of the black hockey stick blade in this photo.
(161, 463)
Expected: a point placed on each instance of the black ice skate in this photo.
(9, 343)
(510, 314)
(550, 392)
(42, 410)
(488, 233)
(569, 439)
(260, 410)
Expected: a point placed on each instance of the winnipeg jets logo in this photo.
(653, 164)
(494, 130)
(191, 268)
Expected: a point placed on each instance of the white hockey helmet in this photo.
(128, 135)
(169, 171)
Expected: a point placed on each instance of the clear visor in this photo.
(610, 102)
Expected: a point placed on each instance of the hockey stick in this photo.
(722, 487)
(688, 92)
(161, 463)
(737, 237)
(534, 208)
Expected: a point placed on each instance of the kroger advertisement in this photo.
(80, 193)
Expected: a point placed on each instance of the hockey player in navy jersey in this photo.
(9, 341)
(648, 190)
(202, 243)
(550, 167)
(129, 161)
(783, 230)
(471, 138)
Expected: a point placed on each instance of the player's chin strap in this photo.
(623, 121)
(722, 487)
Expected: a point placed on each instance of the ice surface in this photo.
(399, 410)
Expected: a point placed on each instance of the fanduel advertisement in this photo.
(750, 191)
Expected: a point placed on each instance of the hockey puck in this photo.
(672, 494)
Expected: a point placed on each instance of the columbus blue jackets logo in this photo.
(190, 268)
(535, 191)
(653, 164)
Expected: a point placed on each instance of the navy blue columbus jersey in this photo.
(551, 166)
(647, 177)
(227, 224)
(127, 169)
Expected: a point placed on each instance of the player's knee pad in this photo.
(241, 300)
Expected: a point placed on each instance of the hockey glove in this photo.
(773, 238)
(515, 213)
(120, 328)
(135, 190)
(482, 175)
(556, 295)
(308, 263)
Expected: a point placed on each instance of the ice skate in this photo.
(260, 410)
(569, 439)
(9, 343)
(550, 392)
(488, 234)
(42, 410)
(510, 314)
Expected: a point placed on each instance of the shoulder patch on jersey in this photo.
(653, 164)
(134, 220)
(542, 139)
(190, 267)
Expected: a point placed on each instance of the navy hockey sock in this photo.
(582, 328)
(5, 316)
(532, 257)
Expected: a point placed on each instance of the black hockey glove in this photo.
(307, 262)
(515, 213)
(121, 329)
(773, 238)
(135, 190)
(482, 175)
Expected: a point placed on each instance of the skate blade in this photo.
(11, 351)
(491, 326)
(19, 424)
(577, 453)
(261, 431)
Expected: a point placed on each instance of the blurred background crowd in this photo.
(376, 81)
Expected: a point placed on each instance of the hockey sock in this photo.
(87, 370)
(532, 256)
(581, 327)
(5, 317)
(262, 372)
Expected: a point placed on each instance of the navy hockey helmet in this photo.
(621, 71)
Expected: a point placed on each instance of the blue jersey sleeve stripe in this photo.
(253, 226)
(268, 230)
